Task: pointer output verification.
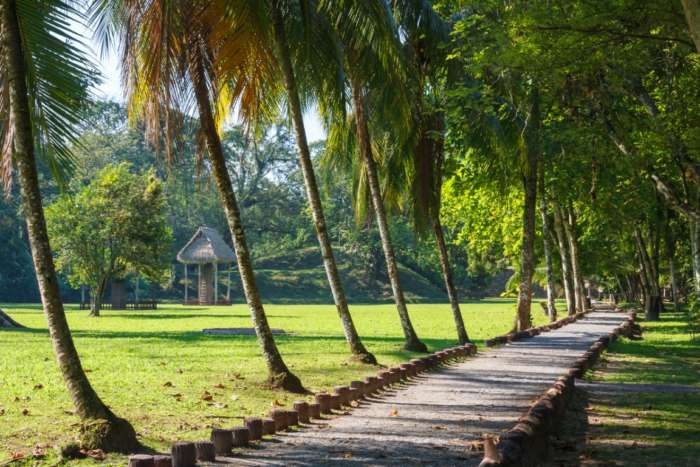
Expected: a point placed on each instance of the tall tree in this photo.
(547, 244)
(43, 86)
(181, 52)
(312, 192)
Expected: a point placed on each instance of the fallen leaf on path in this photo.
(220, 386)
(97, 454)
(17, 455)
(354, 404)
(394, 413)
(347, 455)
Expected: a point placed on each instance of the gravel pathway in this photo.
(437, 418)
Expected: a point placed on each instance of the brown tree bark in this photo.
(546, 228)
(357, 349)
(412, 342)
(279, 375)
(670, 246)
(653, 303)
(695, 252)
(529, 177)
(567, 276)
(7, 322)
(692, 16)
(569, 222)
(101, 429)
(449, 283)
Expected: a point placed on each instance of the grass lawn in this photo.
(655, 424)
(152, 367)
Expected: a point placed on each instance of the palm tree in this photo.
(425, 35)
(282, 46)
(372, 61)
(180, 53)
(44, 83)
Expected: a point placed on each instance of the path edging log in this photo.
(280, 420)
(534, 331)
(527, 443)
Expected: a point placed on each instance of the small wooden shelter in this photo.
(207, 250)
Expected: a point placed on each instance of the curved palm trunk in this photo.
(279, 375)
(412, 342)
(101, 429)
(449, 283)
(546, 243)
(341, 304)
(567, 278)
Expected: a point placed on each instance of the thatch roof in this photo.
(206, 247)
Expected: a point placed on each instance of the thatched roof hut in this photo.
(206, 247)
(207, 250)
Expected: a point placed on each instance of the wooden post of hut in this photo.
(207, 250)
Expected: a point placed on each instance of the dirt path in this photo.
(435, 419)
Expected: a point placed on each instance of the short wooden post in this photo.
(223, 441)
(241, 437)
(216, 283)
(186, 285)
(324, 401)
(268, 426)
(292, 418)
(255, 427)
(206, 451)
(280, 418)
(314, 410)
(162, 461)
(184, 454)
(343, 393)
(336, 402)
(360, 387)
(140, 460)
(302, 409)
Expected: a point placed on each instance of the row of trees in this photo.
(486, 108)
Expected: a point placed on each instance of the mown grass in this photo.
(152, 367)
(654, 426)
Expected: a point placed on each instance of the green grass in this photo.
(654, 427)
(132, 355)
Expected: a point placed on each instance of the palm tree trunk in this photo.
(358, 350)
(101, 429)
(411, 338)
(449, 283)
(546, 243)
(567, 276)
(279, 375)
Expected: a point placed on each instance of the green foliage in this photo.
(113, 226)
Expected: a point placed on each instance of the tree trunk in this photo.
(551, 305)
(692, 16)
(695, 248)
(96, 295)
(449, 283)
(569, 219)
(670, 244)
(566, 273)
(412, 342)
(279, 375)
(7, 322)
(101, 429)
(312, 193)
(650, 281)
(529, 174)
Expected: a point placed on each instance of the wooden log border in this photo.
(532, 332)
(527, 443)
